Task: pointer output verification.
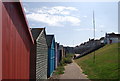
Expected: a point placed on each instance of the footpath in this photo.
(73, 71)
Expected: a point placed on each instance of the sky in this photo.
(72, 22)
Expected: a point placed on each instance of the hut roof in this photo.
(20, 9)
(36, 32)
(49, 39)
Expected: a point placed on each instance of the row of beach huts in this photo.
(25, 53)
(46, 54)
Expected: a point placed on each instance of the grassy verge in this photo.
(106, 63)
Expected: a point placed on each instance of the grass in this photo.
(106, 63)
(60, 69)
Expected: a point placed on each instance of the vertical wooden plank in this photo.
(13, 32)
(3, 40)
(0, 40)
(12, 48)
(6, 38)
(21, 57)
(14, 53)
(17, 46)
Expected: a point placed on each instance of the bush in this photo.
(67, 60)
(62, 63)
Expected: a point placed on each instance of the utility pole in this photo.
(94, 35)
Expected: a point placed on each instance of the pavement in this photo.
(73, 71)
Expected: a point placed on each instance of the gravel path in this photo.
(73, 71)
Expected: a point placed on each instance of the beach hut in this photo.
(40, 50)
(51, 54)
(16, 42)
(61, 52)
(57, 55)
(56, 52)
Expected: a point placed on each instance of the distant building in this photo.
(112, 38)
(62, 52)
(39, 59)
(51, 54)
(69, 50)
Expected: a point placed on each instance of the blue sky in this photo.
(71, 22)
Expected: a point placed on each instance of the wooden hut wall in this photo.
(56, 55)
(16, 42)
(51, 54)
(0, 41)
(42, 56)
(41, 53)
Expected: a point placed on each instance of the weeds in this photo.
(66, 60)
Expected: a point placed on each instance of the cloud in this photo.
(57, 10)
(101, 26)
(26, 10)
(61, 8)
(53, 20)
(85, 16)
(54, 16)
(85, 29)
(53, 11)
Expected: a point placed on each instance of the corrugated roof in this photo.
(36, 32)
(49, 39)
